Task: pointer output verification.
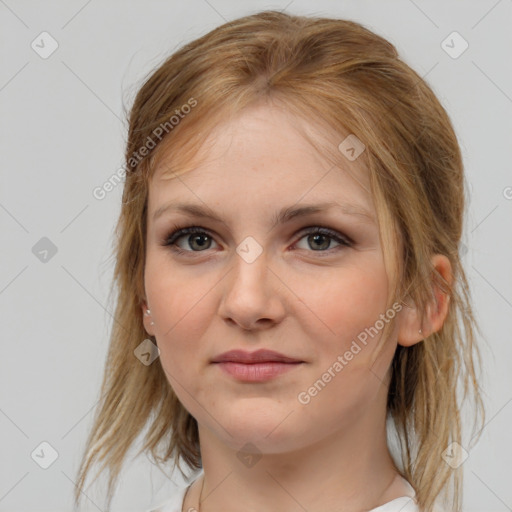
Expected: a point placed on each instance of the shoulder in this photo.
(403, 504)
(172, 504)
(406, 500)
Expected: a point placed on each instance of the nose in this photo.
(251, 296)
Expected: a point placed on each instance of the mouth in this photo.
(259, 356)
(256, 372)
(258, 366)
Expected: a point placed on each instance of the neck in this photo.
(350, 467)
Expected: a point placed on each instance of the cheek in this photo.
(175, 292)
(181, 310)
(346, 303)
(349, 306)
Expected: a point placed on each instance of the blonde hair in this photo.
(351, 80)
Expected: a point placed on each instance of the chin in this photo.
(268, 428)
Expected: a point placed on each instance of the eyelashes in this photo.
(322, 236)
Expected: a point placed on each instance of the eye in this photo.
(319, 239)
(197, 236)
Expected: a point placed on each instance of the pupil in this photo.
(316, 237)
(201, 244)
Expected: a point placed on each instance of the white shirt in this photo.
(402, 504)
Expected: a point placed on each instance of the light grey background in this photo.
(62, 134)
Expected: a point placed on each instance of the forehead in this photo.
(265, 151)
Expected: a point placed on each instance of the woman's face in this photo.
(244, 283)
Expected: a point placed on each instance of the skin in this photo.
(304, 298)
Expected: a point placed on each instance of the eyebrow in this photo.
(284, 215)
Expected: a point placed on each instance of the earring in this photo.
(148, 312)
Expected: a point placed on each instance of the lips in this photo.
(259, 356)
(255, 367)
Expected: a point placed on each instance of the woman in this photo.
(289, 247)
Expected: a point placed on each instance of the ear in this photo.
(409, 319)
(146, 318)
